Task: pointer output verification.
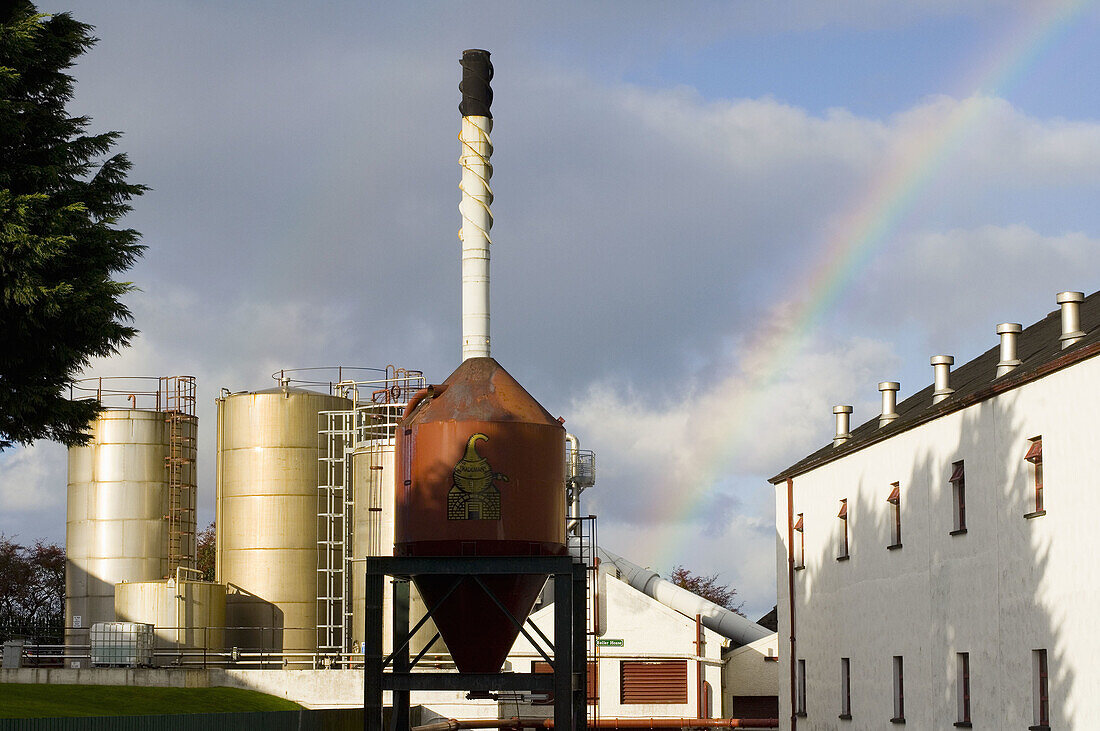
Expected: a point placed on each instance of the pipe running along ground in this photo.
(453, 724)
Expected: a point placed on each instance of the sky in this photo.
(713, 220)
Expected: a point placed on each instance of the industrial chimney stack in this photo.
(477, 197)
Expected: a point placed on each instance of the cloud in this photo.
(32, 491)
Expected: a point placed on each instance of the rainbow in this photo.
(855, 234)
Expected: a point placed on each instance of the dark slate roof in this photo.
(770, 620)
(1037, 346)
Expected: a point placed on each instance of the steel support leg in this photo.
(563, 651)
(399, 721)
(372, 648)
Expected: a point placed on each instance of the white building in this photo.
(651, 661)
(936, 563)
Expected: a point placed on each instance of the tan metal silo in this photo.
(267, 520)
(131, 494)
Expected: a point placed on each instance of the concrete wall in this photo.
(310, 688)
(1007, 586)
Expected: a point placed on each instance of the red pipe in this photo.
(790, 597)
(453, 724)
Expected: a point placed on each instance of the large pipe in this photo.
(717, 618)
(477, 197)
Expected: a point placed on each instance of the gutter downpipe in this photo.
(790, 595)
(700, 648)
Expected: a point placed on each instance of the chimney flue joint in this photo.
(1071, 317)
(1008, 332)
(941, 368)
(843, 433)
(889, 391)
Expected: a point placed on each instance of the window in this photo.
(958, 494)
(1041, 685)
(899, 691)
(895, 507)
(800, 689)
(842, 549)
(845, 688)
(1035, 457)
(663, 681)
(962, 690)
(800, 556)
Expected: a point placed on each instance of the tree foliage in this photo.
(707, 587)
(32, 584)
(204, 555)
(62, 195)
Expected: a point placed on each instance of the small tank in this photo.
(480, 472)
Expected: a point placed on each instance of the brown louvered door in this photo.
(593, 677)
(664, 681)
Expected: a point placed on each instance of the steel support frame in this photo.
(568, 682)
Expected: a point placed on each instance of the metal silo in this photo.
(131, 493)
(267, 518)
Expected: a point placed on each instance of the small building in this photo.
(935, 564)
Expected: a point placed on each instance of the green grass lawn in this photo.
(28, 700)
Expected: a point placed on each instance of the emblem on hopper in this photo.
(473, 496)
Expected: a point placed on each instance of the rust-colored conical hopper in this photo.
(480, 472)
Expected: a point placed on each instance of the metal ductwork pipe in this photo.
(717, 618)
(1071, 317)
(842, 414)
(941, 370)
(889, 391)
(1008, 332)
(477, 197)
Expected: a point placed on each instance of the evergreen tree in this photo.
(61, 197)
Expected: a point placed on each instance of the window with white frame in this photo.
(1035, 457)
(842, 544)
(894, 500)
(845, 688)
(962, 687)
(958, 497)
(899, 689)
(1040, 689)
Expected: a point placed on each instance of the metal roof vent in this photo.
(1008, 332)
(941, 368)
(889, 391)
(1071, 317)
(842, 432)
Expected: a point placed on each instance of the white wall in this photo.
(1007, 586)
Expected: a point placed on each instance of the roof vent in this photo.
(1071, 317)
(1008, 332)
(941, 368)
(842, 433)
(889, 391)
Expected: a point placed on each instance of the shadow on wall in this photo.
(253, 624)
(987, 591)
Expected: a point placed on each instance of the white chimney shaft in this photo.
(889, 391)
(1071, 317)
(842, 431)
(941, 368)
(477, 197)
(1008, 332)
